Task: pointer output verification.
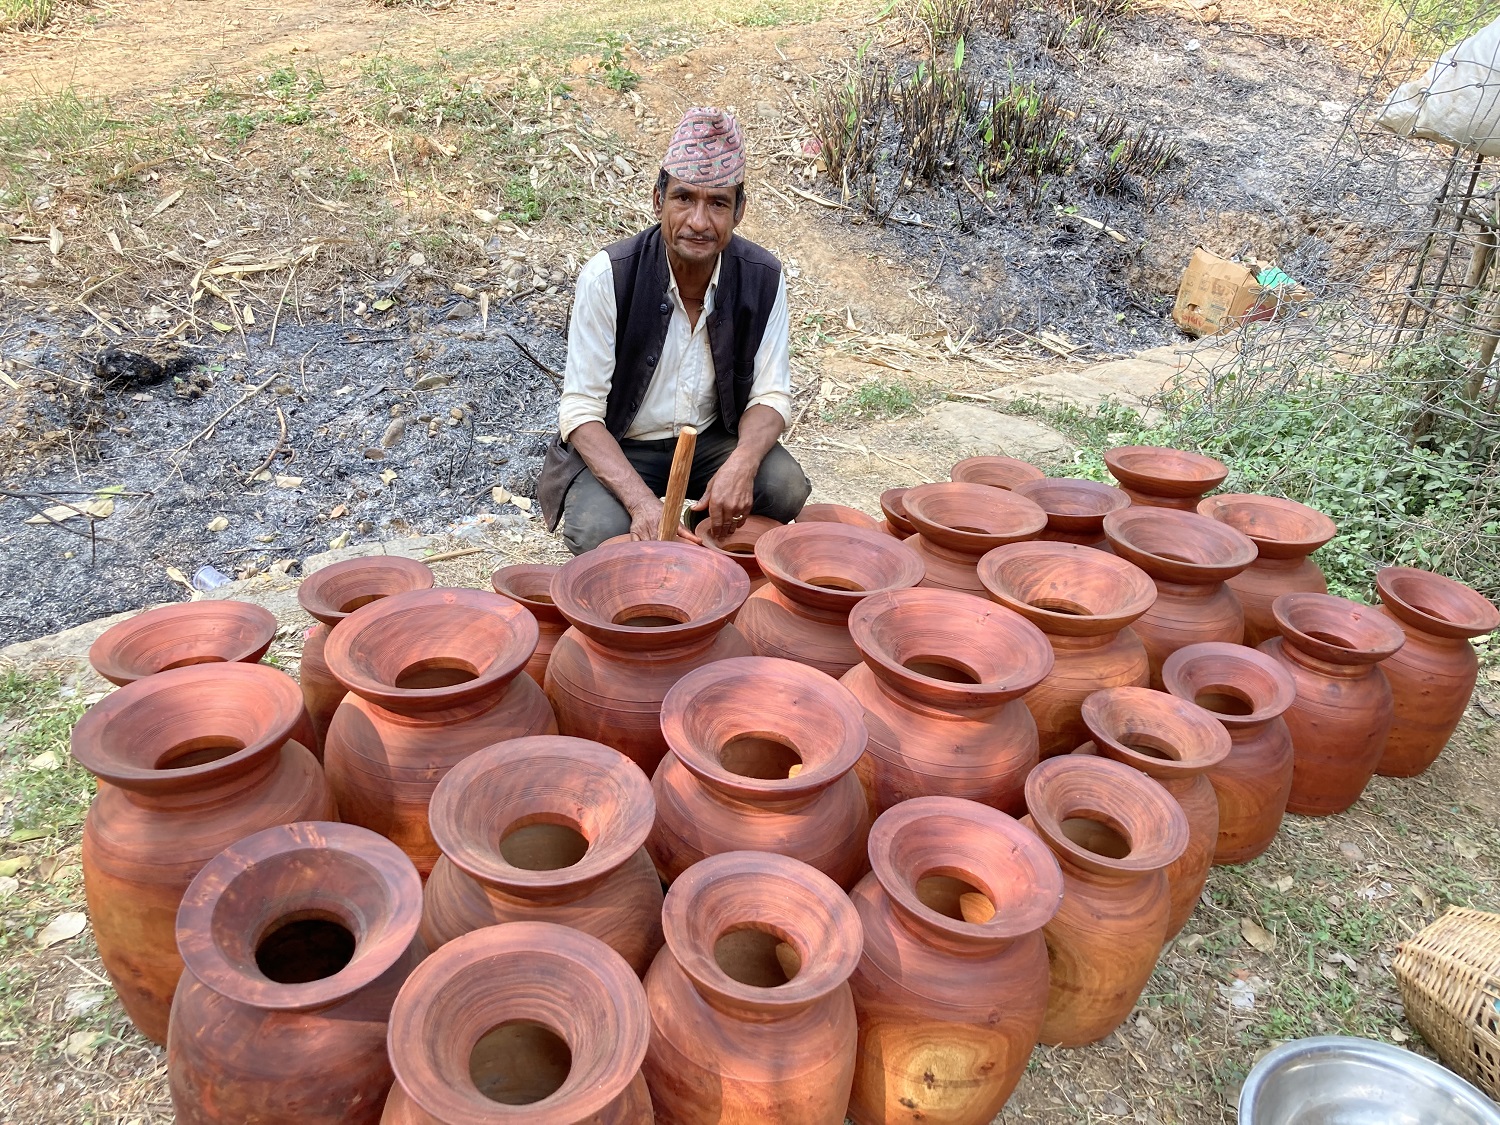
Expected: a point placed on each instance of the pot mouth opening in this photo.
(1150, 746)
(304, 947)
(1096, 833)
(1064, 606)
(1224, 699)
(436, 672)
(520, 1062)
(199, 751)
(358, 602)
(544, 842)
(198, 658)
(1333, 639)
(651, 616)
(954, 896)
(761, 756)
(756, 955)
(949, 669)
(835, 582)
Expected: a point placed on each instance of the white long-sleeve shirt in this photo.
(682, 390)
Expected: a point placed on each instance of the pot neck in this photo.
(927, 934)
(662, 654)
(1194, 590)
(1339, 670)
(448, 716)
(821, 614)
(1083, 644)
(948, 714)
(208, 791)
(1296, 562)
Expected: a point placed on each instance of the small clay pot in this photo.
(1114, 832)
(752, 1019)
(191, 760)
(178, 636)
(1154, 476)
(1075, 508)
(739, 546)
(818, 573)
(897, 522)
(295, 941)
(531, 585)
(837, 513)
(1247, 692)
(941, 681)
(1189, 557)
(958, 523)
(763, 755)
(952, 986)
(1176, 742)
(995, 472)
(644, 615)
(1084, 601)
(528, 1022)
(1343, 707)
(546, 829)
(1284, 533)
(1432, 676)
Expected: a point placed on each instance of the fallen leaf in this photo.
(114, 240)
(500, 495)
(9, 885)
(341, 510)
(9, 867)
(522, 502)
(339, 540)
(1398, 1035)
(383, 304)
(55, 241)
(46, 760)
(485, 217)
(1257, 936)
(165, 203)
(100, 509)
(387, 475)
(21, 835)
(248, 313)
(1424, 896)
(177, 576)
(1465, 847)
(1285, 883)
(218, 523)
(65, 927)
(56, 514)
(221, 326)
(288, 482)
(82, 1043)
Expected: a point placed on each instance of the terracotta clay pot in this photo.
(996, 472)
(644, 615)
(178, 636)
(1432, 676)
(432, 675)
(897, 522)
(958, 523)
(1084, 601)
(1075, 508)
(818, 573)
(546, 829)
(1189, 557)
(528, 1022)
(1284, 533)
(941, 682)
(1114, 833)
(953, 983)
(763, 755)
(751, 1017)
(188, 761)
(531, 585)
(739, 546)
(1247, 692)
(330, 595)
(1175, 742)
(1343, 707)
(837, 513)
(296, 941)
(1154, 476)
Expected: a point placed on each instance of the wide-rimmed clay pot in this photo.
(189, 761)
(837, 513)
(330, 595)
(644, 615)
(1432, 676)
(995, 472)
(528, 1022)
(178, 636)
(1190, 558)
(1114, 832)
(739, 546)
(433, 675)
(958, 523)
(941, 682)
(763, 755)
(897, 523)
(546, 829)
(818, 573)
(530, 584)
(1343, 708)
(1084, 601)
(1175, 742)
(1247, 692)
(296, 941)
(1284, 533)
(1155, 476)
(751, 1016)
(1075, 508)
(952, 987)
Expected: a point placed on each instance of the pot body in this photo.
(632, 1106)
(1082, 666)
(1186, 614)
(548, 634)
(1265, 580)
(1252, 786)
(1188, 874)
(1431, 680)
(1145, 499)
(321, 693)
(775, 625)
(948, 569)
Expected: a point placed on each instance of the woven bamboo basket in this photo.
(1450, 984)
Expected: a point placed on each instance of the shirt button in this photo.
(650, 361)
(666, 308)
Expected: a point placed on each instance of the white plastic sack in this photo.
(1457, 101)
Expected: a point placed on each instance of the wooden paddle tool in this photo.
(677, 482)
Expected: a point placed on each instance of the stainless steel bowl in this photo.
(1336, 1080)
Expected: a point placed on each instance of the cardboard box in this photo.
(1217, 295)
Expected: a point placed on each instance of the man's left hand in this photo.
(728, 498)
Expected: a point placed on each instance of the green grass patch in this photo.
(44, 789)
(876, 400)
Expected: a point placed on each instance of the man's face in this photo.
(696, 222)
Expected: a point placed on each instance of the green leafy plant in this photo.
(877, 399)
(617, 75)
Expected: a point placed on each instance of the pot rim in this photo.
(1234, 551)
(1021, 518)
(1177, 670)
(1068, 558)
(504, 579)
(990, 470)
(1141, 467)
(1372, 635)
(1123, 795)
(773, 549)
(747, 534)
(892, 504)
(1399, 588)
(216, 616)
(1101, 499)
(1306, 529)
(313, 593)
(1107, 712)
(842, 514)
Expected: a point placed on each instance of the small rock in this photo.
(1351, 852)
(1112, 1105)
(393, 434)
(432, 382)
(375, 454)
(461, 311)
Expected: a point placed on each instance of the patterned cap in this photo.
(707, 150)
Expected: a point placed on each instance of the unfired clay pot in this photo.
(531, 585)
(763, 754)
(897, 522)
(837, 513)
(739, 546)
(952, 986)
(958, 523)
(296, 941)
(1155, 476)
(177, 636)
(996, 472)
(1075, 508)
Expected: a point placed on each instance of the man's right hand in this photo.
(645, 522)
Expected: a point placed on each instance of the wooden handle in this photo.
(677, 482)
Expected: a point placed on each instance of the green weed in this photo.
(875, 400)
(46, 789)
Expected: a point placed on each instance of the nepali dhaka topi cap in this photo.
(707, 150)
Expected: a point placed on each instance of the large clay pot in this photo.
(897, 522)
(1432, 675)
(433, 675)
(1114, 833)
(941, 682)
(178, 636)
(1154, 476)
(188, 761)
(818, 573)
(1176, 742)
(837, 513)
(1284, 533)
(1084, 601)
(330, 595)
(546, 829)
(995, 472)
(530, 584)
(763, 754)
(295, 941)
(644, 615)
(529, 1022)
(958, 523)
(1189, 557)
(1343, 707)
(739, 546)
(751, 1017)
(1247, 692)
(1075, 508)
(953, 983)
